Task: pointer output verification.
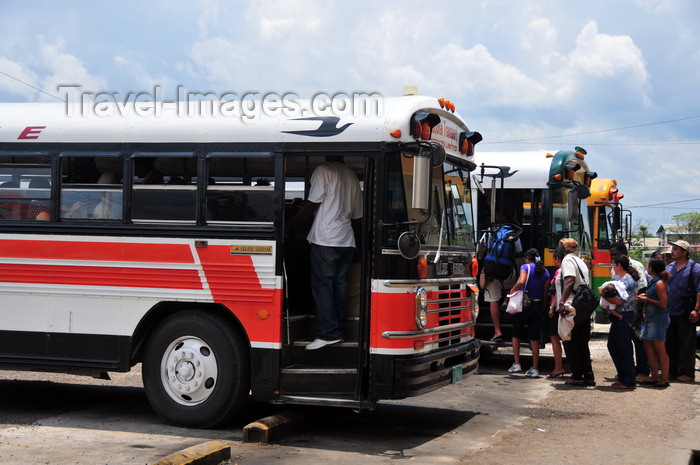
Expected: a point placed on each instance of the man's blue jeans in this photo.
(329, 285)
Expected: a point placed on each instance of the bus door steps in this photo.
(342, 353)
(299, 327)
(312, 370)
(326, 400)
(336, 380)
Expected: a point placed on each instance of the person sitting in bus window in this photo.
(39, 209)
(110, 207)
(336, 200)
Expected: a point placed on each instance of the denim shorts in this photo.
(655, 326)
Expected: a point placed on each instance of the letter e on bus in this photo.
(31, 132)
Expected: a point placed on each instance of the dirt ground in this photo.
(596, 425)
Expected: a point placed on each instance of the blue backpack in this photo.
(499, 262)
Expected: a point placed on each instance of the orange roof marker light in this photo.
(580, 153)
(447, 105)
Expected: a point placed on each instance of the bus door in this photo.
(333, 371)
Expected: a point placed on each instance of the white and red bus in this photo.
(134, 236)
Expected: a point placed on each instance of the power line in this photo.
(33, 87)
(596, 132)
(664, 203)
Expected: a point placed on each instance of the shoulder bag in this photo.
(585, 301)
(518, 300)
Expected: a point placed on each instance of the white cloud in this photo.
(279, 18)
(224, 62)
(484, 79)
(606, 55)
(21, 81)
(538, 34)
(65, 69)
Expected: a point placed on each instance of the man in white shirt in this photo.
(337, 201)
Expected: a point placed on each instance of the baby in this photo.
(611, 289)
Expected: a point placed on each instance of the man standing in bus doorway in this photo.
(336, 199)
(683, 308)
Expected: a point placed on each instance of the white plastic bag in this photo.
(566, 322)
(515, 302)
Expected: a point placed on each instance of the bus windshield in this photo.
(449, 212)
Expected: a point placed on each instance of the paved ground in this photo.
(491, 417)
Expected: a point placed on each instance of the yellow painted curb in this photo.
(209, 453)
(272, 428)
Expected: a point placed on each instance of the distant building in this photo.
(674, 232)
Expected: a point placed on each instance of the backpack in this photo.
(499, 261)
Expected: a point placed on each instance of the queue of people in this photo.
(664, 300)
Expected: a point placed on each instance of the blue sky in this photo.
(617, 77)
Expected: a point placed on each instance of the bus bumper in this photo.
(398, 377)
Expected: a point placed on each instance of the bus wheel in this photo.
(195, 370)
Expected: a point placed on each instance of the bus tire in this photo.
(196, 370)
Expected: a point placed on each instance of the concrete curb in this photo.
(208, 453)
(272, 428)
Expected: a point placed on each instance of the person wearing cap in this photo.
(683, 305)
(573, 273)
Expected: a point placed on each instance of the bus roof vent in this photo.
(410, 90)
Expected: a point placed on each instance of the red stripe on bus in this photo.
(102, 251)
(101, 276)
(231, 277)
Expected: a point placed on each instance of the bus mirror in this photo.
(409, 245)
(583, 191)
(616, 219)
(572, 206)
(437, 154)
(421, 181)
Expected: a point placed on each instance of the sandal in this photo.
(661, 385)
(575, 382)
(622, 386)
(555, 375)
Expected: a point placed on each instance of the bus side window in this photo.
(240, 190)
(25, 189)
(84, 187)
(163, 190)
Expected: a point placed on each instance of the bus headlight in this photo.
(421, 308)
